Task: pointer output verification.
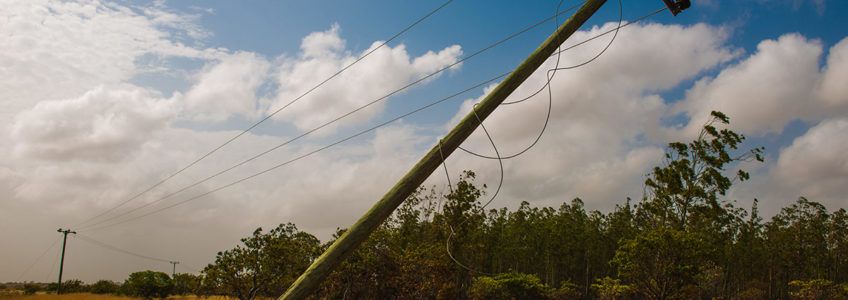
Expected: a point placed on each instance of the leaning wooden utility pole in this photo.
(308, 282)
(62, 263)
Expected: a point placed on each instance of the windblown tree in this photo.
(264, 265)
(682, 215)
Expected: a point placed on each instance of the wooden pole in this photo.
(62, 263)
(353, 237)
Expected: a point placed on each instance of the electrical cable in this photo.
(267, 117)
(53, 267)
(92, 227)
(500, 184)
(498, 157)
(550, 75)
(113, 248)
(38, 259)
(327, 123)
(309, 153)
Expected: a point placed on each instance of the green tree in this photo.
(185, 283)
(692, 175)
(74, 286)
(104, 287)
(265, 264)
(611, 289)
(660, 262)
(797, 241)
(511, 285)
(30, 288)
(148, 284)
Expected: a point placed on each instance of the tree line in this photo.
(683, 239)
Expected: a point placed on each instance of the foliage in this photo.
(264, 265)
(148, 284)
(682, 240)
(659, 262)
(185, 283)
(103, 287)
(817, 289)
(74, 286)
(610, 289)
(30, 288)
(511, 285)
(692, 177)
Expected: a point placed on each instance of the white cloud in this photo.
(816, 164)
(228, 87)
(99, 140)
(104, 124)
(322, 54)
(833, 89)
(779, 83)
(595, 146)
(56, 49)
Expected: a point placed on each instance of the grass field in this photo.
(88, 296)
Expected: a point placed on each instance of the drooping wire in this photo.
(309, 153)
(266, 117)
(92, 228)
(422, 79)
(550, 75)
(500, 162)
(445, 165)
(495, 195)
(38, 259)
(113, 248)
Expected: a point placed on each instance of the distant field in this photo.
(87, 296)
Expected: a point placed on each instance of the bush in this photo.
(104, 287)
(31, 288)
(74, 286)
(148, 284)
(512, 285)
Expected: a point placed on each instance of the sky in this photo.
(102, 102)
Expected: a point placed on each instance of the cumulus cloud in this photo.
(816, 164)
(833, 89)
(54, 49)
(104, 124)
(595, 146)
(779, 83)
(228, 87)
(324, 53)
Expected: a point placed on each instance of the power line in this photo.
(113, 248)
(95, 227)
(38, 259)
(422, 79)
(550, 76)
(265, 118)
(309, 153)
(52, 267)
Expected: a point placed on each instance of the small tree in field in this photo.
(265, 265)
(103, 287)
(148, 284)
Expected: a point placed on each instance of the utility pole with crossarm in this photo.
(62, 262)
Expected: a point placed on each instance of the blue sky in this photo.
(103, 99)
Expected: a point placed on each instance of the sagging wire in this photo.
(243, 132)
(481, 84)
(495, 195)
(549, 76)
(422, 79)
